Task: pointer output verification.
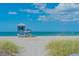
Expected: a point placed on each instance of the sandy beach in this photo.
(34, 46)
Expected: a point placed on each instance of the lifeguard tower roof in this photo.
(21, 24)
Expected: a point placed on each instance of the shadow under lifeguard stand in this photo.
(22, 31)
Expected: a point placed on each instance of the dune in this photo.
(34, 46)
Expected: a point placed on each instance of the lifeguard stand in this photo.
(20, 29)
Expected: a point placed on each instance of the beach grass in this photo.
(63, 47)
(8, 48)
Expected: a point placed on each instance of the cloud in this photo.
(40, 6)
(42, 18)
(12, 12)
(29, 11)
(63, 12)
(66, 12)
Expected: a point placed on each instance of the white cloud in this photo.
(63, 12)
(67, 12)
(42, 18)
(40, 6)
(29, 11)
(12, 12)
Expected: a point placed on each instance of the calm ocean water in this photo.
(43, 33)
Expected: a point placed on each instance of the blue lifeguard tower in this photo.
(22, 31)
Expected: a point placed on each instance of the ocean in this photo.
(42, 33)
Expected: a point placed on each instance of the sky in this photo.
(40, 17)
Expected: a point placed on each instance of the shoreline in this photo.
(43, 36)
(40, 35)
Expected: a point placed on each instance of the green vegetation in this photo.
(63, 47)
(8, 48)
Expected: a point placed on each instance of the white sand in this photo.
(34, 46)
